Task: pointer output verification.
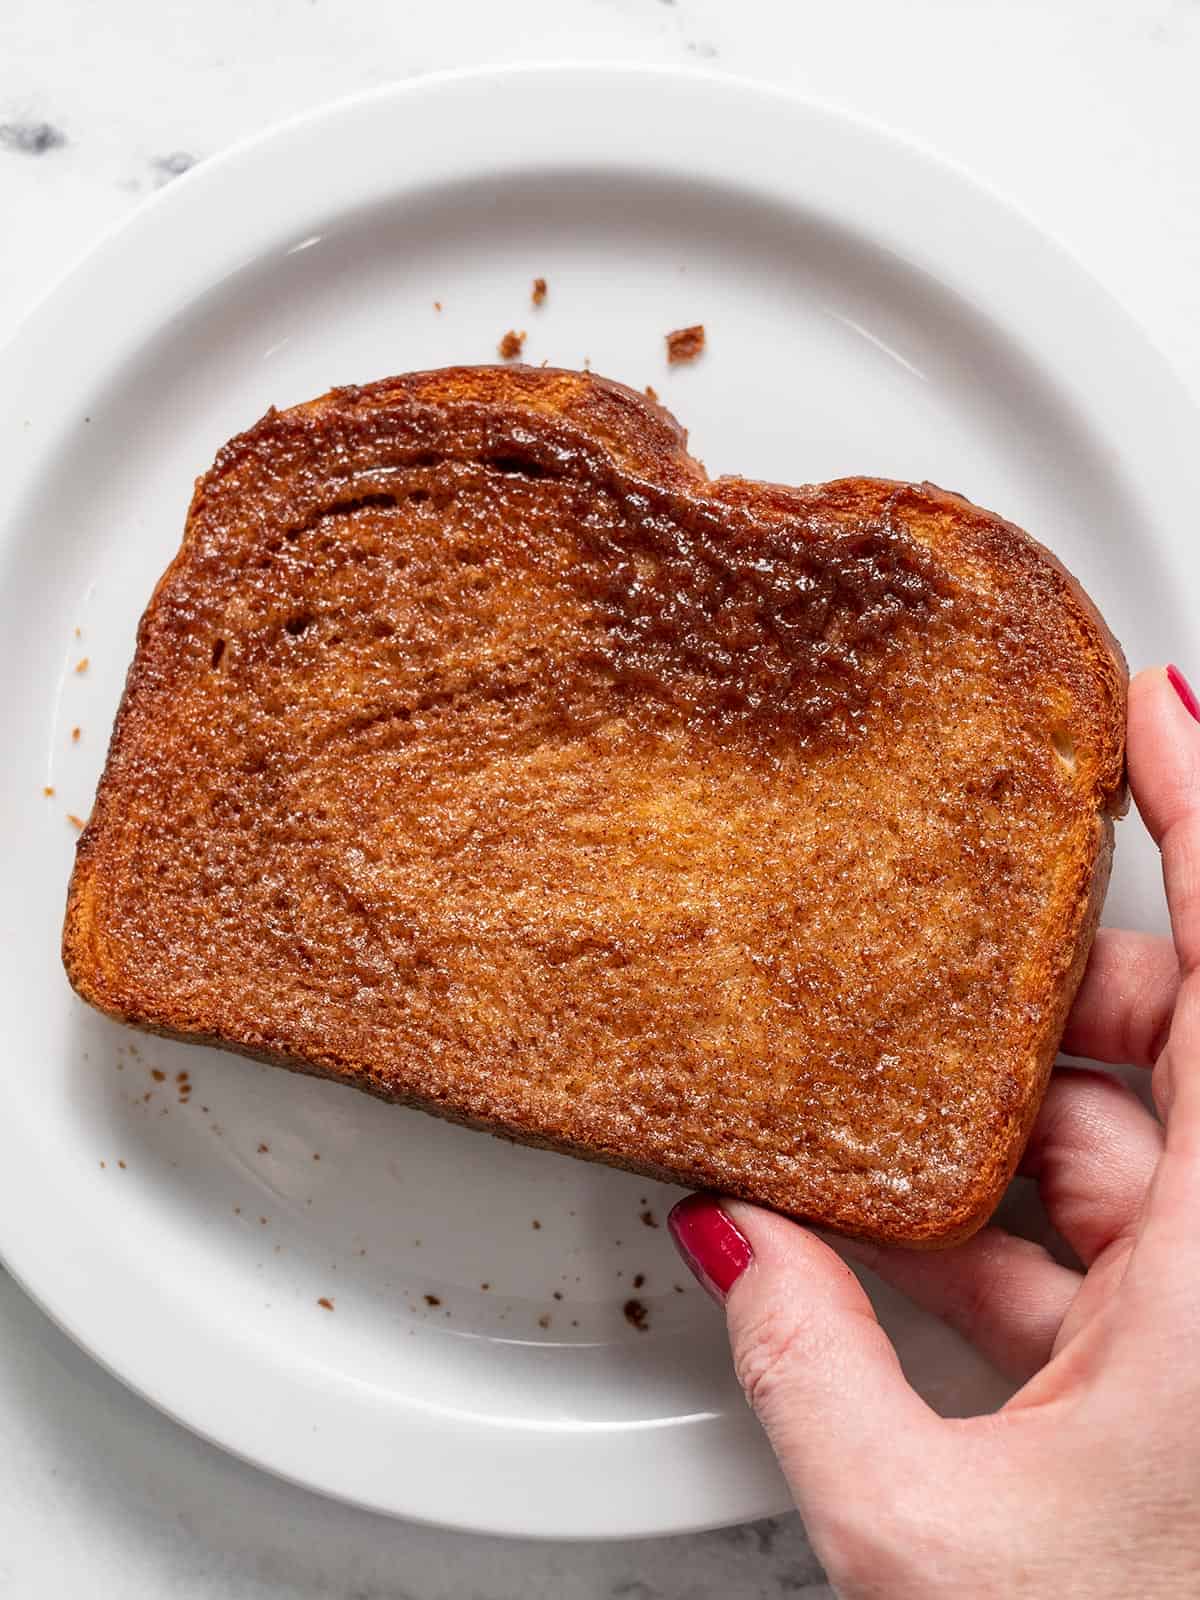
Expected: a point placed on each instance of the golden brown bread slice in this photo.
(482, 753)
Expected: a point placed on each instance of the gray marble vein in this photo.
(172, 166)
(31, 138)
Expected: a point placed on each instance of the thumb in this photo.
(816, 1366)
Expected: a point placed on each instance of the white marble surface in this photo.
(1083, 112)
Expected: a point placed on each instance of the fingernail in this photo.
(716, 1251)
(1184, 690)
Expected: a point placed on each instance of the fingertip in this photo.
(795, 1260)
(1163, 745)
(1184, 691)
(778, 1240)
(714, 1249)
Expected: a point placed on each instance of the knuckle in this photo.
(984, 1296)
(764, 1352)
(1081, 1095)
(1150, 1020)
(1087, 1116)
(976, 1307)
(1181, 869)
(1162, 1084)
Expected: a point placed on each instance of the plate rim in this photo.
(52, 1284)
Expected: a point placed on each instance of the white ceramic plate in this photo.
(869, 310)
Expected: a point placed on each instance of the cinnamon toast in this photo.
(480, 752)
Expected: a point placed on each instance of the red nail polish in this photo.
(716, 1251)
(1184, 690)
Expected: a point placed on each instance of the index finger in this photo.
(1164, 774)
(1163, 752)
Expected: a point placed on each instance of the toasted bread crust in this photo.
(482, 753)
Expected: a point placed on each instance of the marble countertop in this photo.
(1083, 113)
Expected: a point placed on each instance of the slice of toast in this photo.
(481, 752)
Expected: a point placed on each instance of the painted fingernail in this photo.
(1184, 690)
(716, 1251)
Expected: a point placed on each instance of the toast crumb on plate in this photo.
(685, 344)
(636, 1315)
(511, 345)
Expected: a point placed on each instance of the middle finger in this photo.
(1093, 1152)
(1123, 1009)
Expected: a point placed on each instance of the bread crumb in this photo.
(181, 1077)
(649, 1218)
(539, 291)
(75, 735)
(76, 822)
(651, 393)
(263, 1220)
(543, 1321)
(324, 1302)
(511, 345)
(433, 1300)
(48, 790)
(639, 1279)
(678, 1288)
(158, 1075)
(104, 1163)
(485, 1287)
(121, 1164)
(79, 633)
(636, 1315)
(437, 305)
(685, 344)
(237, 1211)
(535, 1223)
(264, 1149)
(82, 664)
(316, 1155)
(558, 1294)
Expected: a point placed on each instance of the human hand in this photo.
(1088, 1481)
